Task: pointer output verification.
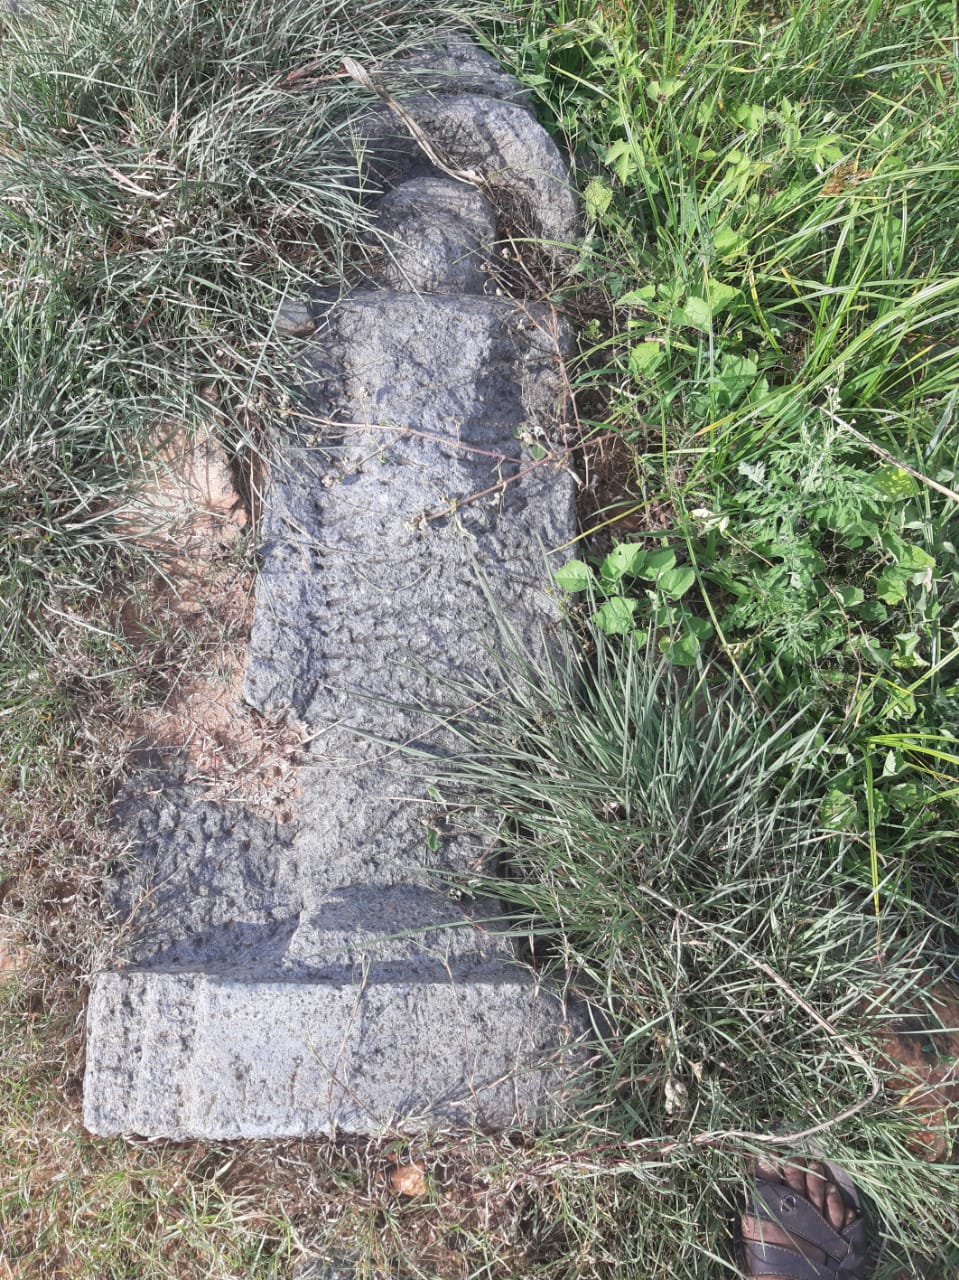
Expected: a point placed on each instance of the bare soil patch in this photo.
(194, 523)
(921, 1050)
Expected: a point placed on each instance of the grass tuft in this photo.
(666, 853)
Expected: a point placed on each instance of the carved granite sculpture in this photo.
(313, 977)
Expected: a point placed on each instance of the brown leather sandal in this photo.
(815, 1249)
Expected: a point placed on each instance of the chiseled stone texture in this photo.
(203, 883)
(210, 1056)
(415, 496)
(394, 556)
(312, 978)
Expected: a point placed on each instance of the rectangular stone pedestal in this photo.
(210, 1056)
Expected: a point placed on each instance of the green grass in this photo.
(729, 814)
(165, 180)
(769, 287)
(666, 852)
(766, 292)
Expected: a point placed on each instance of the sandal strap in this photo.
(777, 1260)
(774, 1202)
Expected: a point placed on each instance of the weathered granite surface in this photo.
(435, 231)
(206, 883)
(311, 978)
(207, 1055)
(417, 406)
(453, 64)
(501, 141)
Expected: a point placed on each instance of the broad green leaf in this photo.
(598, 197)
(658, 561)
(907, 796)
(674, 583)
(644, 358)
(892, 543)
(615, 617)
(660, 90)
(825, 150)
(701, 628)
(574, 575)
(905, 652)
(872, 611)
(737, 375)
(890, 586)
(663, 613)
(850, 596)
(750, 115)
(893, 482)
(683, 651)
(913, 559)
(720, 295)
(696, 312)
(727, 241)
(626, 560)
(624, 158)
(692, 145)
(637, 297)
(839, 810)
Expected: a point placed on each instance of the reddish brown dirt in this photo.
(924, 1060)
(613, 506)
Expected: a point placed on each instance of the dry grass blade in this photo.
(468, 176)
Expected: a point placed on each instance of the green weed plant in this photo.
(770, 284)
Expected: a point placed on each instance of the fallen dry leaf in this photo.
(408, 1180)
(13, 960)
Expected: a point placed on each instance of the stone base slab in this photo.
(208, 1056)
